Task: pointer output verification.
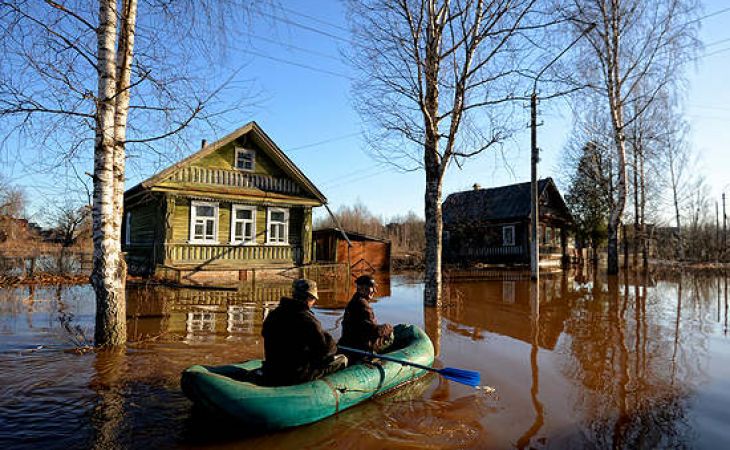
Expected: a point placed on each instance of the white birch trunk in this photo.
(106, 278)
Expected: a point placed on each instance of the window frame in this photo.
(505, 243)
(193, 216)
(128, 228)
(269, 240)
(236, 207)
(249, 151)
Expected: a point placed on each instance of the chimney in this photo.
(203, 143)
(476, 186)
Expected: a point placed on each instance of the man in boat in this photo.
(296, 348)
(360, 329)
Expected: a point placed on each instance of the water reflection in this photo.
(578, 360)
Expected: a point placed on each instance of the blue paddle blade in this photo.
(468, 377)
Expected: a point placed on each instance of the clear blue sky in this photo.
(305, 107)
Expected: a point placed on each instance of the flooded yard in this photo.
(635, 361)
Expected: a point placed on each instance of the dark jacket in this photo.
(296, 348)
(359, 327)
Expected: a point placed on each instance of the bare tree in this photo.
(68, 71)
(12, 200)
(433, 74)
(636, 43)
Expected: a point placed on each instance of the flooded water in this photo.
(622, 362)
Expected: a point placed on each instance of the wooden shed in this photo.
(368, 253)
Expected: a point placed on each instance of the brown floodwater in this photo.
(635, 361)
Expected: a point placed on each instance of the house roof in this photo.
(261, 138)
(499, 203)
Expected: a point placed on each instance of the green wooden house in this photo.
(237, 206)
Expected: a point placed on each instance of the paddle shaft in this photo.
(387, 358)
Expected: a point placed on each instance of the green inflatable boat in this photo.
(220, 390)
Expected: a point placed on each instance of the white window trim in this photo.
(191, 236)
(235, 208)
(240, 150)
(504, 241)
(286, 226)
(128, 228)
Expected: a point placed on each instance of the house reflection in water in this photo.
(207, 315)
(474, 307)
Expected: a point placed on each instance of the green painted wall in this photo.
(145, 222)
(223, 158)
(181, 223)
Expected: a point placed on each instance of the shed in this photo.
(368, 253)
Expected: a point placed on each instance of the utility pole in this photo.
(724, 229)
(534, 220)
(534, 159)
(717, 231)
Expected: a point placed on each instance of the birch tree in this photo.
(636, 43)
(434, 75)
(68, 69)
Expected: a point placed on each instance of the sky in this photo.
(292, 58)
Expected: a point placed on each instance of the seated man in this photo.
(296, 348)
(359, 328)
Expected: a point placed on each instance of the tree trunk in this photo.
(642, 201)
(434, 228)
(637, 218)
(106, 277)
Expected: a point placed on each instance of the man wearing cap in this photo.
(296, 348)
(360, 329)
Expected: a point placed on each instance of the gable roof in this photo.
(499, 203)
(260, 137)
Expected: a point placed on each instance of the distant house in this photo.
(368, 253)
(493, 225)
(237, 205)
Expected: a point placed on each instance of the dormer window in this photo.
(245, 159)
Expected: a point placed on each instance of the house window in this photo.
(204, 222)
(128, 229)
(508, 235)
(277, 226)
(243, 224)
(245, 159)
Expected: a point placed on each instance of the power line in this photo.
(305, 27)
(297, 64)
(326, 141)
(716, 13)
(315, 19)
(291, 46)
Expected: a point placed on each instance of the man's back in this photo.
(360, 329)
(295, 346)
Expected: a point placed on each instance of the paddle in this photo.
(468, 377)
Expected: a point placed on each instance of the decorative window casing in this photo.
(508, 235)
(245, 159)
(277, 226)
(128, 228)
(243, 224)
(203, 222)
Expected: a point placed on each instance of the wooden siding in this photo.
(224, 158)
(145, 223)
(179, 250)
(365, 254)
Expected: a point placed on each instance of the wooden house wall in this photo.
(364, 254)
(144, 249)
(224, 159)
(181, 222)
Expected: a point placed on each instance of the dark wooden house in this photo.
(368, 253)
(237, 205)
(493, 225)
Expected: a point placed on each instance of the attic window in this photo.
(245, 159)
